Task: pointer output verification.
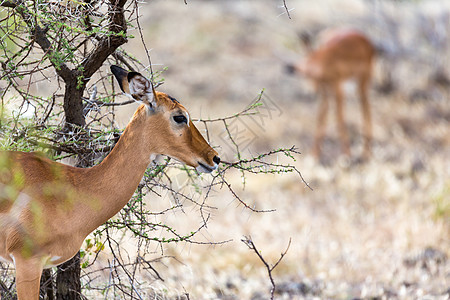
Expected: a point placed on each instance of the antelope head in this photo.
(168, 128)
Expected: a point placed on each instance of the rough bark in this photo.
(47, 291)
(73, 104)
(68, 284)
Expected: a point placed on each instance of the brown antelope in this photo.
(47, 208)
(343, 54)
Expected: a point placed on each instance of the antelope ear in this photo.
(121, 76)
(135, 85)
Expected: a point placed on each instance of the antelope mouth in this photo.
(203, 168)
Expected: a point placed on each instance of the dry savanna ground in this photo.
(376, 230)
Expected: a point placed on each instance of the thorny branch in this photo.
(139, 221)
(3, 287)
(249, 242)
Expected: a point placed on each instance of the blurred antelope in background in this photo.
(47, 208)
(342, 54)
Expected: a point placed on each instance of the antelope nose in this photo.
(216, 159)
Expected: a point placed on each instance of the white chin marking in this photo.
(205, 169)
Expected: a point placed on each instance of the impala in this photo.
(342, 55)
(47, 209)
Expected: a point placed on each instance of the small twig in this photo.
(149, 266)
(248, 111)
(287, 10)
(101, 103)
(248, 241)
(122, 59)
(3, 286)
(48, 110)
(145, 45)
(250, 165)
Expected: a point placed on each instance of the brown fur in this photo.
(343, 54)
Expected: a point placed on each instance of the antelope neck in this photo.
(116, 178)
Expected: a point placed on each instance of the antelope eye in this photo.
(180, 119)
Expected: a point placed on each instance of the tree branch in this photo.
(248, 241)
(9, 4)
(40, 37)
(108, 44)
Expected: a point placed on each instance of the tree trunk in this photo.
(73, 104)
(68, 284)
(47, 292)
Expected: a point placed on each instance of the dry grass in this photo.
(361, 231)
